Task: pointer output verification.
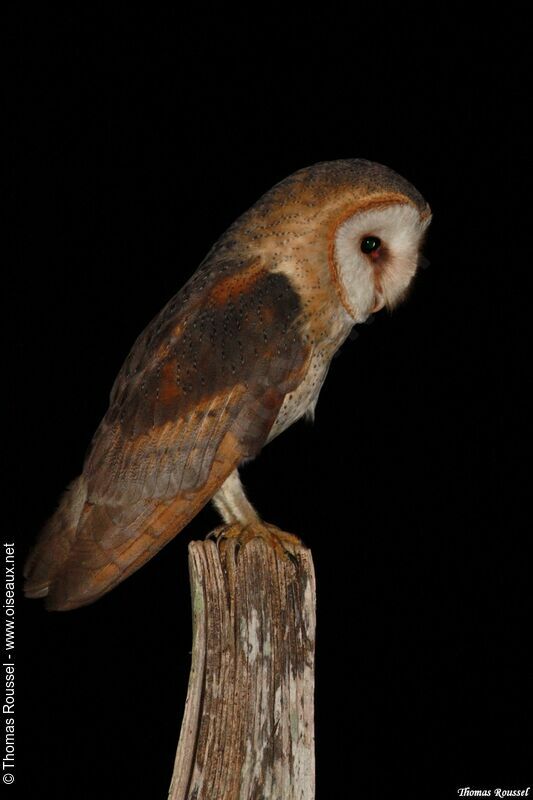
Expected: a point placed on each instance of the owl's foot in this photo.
(282, 542)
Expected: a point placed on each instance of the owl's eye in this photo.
(370, 244)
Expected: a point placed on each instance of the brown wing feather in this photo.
(198, 393)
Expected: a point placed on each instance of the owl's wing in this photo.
(198, 393)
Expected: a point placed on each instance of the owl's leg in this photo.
(242, 520)
(232, 504)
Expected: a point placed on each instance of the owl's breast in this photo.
(303, 399)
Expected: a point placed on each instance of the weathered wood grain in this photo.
(248, 729)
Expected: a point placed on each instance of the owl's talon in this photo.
(220, 533)
(281, 541)
(217, 532)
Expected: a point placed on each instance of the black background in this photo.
(142, 137)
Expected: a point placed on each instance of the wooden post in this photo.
(248, 728)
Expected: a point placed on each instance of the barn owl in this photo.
(235, 358)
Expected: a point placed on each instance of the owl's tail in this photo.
(88, 547)
(52, 550)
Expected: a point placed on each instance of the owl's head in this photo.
(375, 253)
(372, 224)
(350, 225)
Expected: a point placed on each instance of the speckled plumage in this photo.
(238, 355)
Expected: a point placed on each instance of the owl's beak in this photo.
(379, 303)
